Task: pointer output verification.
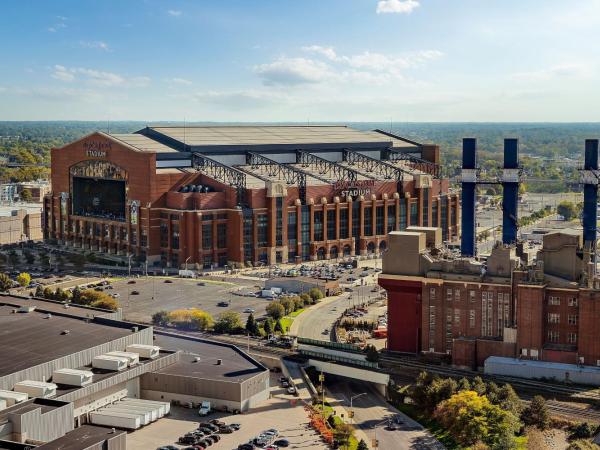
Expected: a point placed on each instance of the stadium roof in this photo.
(143, 143)
(208, 136)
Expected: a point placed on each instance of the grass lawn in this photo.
(286, 321)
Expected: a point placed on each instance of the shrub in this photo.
(160, 318)
(316, 294)
(5, 282)
(24, 279)
(275, 310)
(106, 303)
(228, 322)
(191, 319)
(537, 413)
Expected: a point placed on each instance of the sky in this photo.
(304, 61)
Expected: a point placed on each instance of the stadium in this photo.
(233, 195)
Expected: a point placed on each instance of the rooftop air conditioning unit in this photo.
(113, 363)
(36, 388)
(145, 351)
(72, 377)
(132, 358)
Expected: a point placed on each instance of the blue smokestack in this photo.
(590, 190)
(510, 191)
(469, 182)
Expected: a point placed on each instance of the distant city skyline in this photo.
(315, 60)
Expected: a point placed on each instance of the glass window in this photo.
(402, 215)
(318, 226)
(164, 235)
(572, 338)
(572, 319)
(368, 223)
(292, 232)
(434, 214)
(391, 218)
(554, 301)
(471, 318)
(444, 218)
(344, 223)
(425, 211)
(572, 301)
(207, 237)
(452, 213)
(222, 235)
(331, 224)
(305, 231)
(248, 236)
(279, 222)
(432, 293)
(553, 318)
(175, 236)
(379, 220)
(355, 219)
(414, 214)
(262, 229)
(553, 336)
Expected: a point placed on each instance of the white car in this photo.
(249, 310)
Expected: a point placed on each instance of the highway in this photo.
(371, 412)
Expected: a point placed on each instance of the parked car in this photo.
(282, 443)
(131, 282)
(223, 304)
(249, 310)
(245, 447)
(168, 281)
(217, 422)
(135, 292)
(235, 426)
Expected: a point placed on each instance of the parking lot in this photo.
(282, 412)
(145, 296)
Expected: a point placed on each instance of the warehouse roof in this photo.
(85, 436)
(269, 135)
(30, 339)
(235, 364)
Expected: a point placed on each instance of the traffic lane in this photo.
(371, 413)
(315, 320)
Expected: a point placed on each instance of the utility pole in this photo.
(321, 379)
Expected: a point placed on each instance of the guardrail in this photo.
(328, 344)
(341, 359)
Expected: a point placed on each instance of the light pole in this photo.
(186, 261)
(129, 265)
(351, 400)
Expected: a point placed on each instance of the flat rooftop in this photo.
(209, 136)
(236, 366)
(51, 306)
(144, 143)
(30, 339)
(83, 437)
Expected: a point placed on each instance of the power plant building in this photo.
(220, 195)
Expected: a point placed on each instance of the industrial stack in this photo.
(469, 186)
(589, 179)
(510, 191)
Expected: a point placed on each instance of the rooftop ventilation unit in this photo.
(132, 358)
(72, 377)
(36, 388)
(145, 351)
(112, 363)
(12, 398)
(26, 309)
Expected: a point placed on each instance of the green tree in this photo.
(106, 302)
(76, 295)
(362, 445)
(159, 318)
(269, 326)
(279, 327)
(567, 209)
(478, 385)
(537, 413)
(509, 401)
(275, 310)
(464, 384)
(228, 322)
(306, 299)
(288, 304)
(48, 293)
(298, 302)
(252, 326)
(342, 433)
(5, 282)
(25, 195)
(372, 353)
(39, 291)
(201, 320)
(316, 294)
(24, 279)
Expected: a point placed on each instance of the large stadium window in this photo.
(425, 212)
(380, 224)
(144, 238)
(444, 220)
(318, 224)
(452, 213)
(331, 224)
(96, 197)
(292, 230)
(368, 221)
(175, 235)
(355, 219)
(434, 214)
(133, 237)
(344, 223)
(174, 260)
(414, 214)
(305, 226)
(248, 237)
(164, 235)
(279, 222)
(402, 215)
(391, 218)
(262, 222)
(207, 236)
(222, 235)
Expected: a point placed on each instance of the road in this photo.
(370, 415)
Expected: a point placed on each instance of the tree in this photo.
(48, 293)
(306, 299)
(288, 304)
(279, 327)
(316, 294)
(464, 384)
(269, 326)
(29, 257)
(583, 431)
(39, 291)
(106, 303)
(76, 295)
(362, 445)
(24, 279)
(228, 322)
(342, 433)
(509, 401)
(275, 310)
(25, 195)
(478, 385)
(5, 282)
(298, 302)
(537, 413)
(252, 326)
(159, 318)
(201, 320)
(567, 209)
(372, 353)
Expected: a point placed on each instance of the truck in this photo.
(204, 409)
(267, 293)
(187, 274)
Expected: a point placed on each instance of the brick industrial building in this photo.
(520, 313)
(219, 195)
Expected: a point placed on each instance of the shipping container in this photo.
(145, 416)
(72, 377)
(106, 362)
(12, 397)
(145, 351)
(154, 411)
(36, 388)
(132, 358)
(163, 407)
(117, 420)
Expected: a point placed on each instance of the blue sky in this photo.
(317, 60)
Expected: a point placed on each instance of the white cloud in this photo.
(100, 45)
(292, 71)
(97, 77)
(174, 12)
(397, 6)
(181, 81)
(327, 52)
(567, 70)
(61, 23)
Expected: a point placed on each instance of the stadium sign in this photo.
(353, 188)
(96, 149)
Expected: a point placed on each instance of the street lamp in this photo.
(186, 261)
(351, 400)
(129, 264)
